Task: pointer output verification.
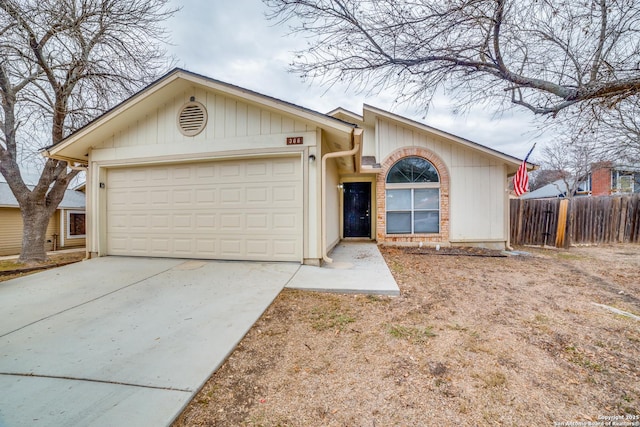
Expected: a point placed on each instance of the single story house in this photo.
(192, 167)
(604, 179)
(559, 189)
(614, 178)
(66, 227)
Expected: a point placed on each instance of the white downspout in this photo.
(323, 185)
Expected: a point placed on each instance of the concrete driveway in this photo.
(123, 341)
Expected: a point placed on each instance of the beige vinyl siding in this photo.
(228, 118)
(477, 182)
(11, 231)
(477, 203)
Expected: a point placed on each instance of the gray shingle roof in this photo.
(72, 199)
(555, 189)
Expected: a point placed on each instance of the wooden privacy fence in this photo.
(582, 220)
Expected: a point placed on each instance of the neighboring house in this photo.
(66, 228)
(192, 167)
(605, 178)
(609, 178)
(557, 189)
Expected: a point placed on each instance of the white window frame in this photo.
(413, 210)
(625, 182)
(413, 186)
(68, 225)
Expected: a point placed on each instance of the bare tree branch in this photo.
(556, 54)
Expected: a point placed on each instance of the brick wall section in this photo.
(601, 179)
(381, 224)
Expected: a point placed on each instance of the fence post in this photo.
(520, 215)
(562, 223)
(622, 227)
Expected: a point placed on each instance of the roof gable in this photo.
(75, 147)
(370, 114)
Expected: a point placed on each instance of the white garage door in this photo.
(237, 210)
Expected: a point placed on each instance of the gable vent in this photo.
(192, 118)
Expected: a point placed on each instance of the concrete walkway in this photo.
(357, 267)
(120, 341)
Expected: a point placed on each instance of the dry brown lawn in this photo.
(471, 341)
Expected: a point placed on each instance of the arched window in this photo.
(413, 197)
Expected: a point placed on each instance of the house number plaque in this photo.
(294, 140)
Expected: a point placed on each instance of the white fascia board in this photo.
(345, 112)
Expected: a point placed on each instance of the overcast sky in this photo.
(232, 41)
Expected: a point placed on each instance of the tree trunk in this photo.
(35, 221)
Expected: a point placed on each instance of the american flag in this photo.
(521, 178)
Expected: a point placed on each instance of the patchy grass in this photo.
(412, 334)
(580, 358)
(331, 315)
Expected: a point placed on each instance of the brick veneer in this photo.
(601, 179)
(381, 223)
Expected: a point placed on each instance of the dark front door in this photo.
(357, 209)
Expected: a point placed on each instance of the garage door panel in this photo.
(285, 247)
(242, 209)
(207, 247)
(205, 198)
(160, 246)
(181, 174)
(257, 169)
(285, 194)
(231, 196)
(257, 222)
(138, 177)
(183, 221)
(183, 246)
(283, 169)
(257, 247)
(205, 222)
(204, 170)
(258, 194)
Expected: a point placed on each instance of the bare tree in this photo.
(572, 160)
(612, 132)
(618, 131)
(576, 159)
(62, 62)
(545, 55)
